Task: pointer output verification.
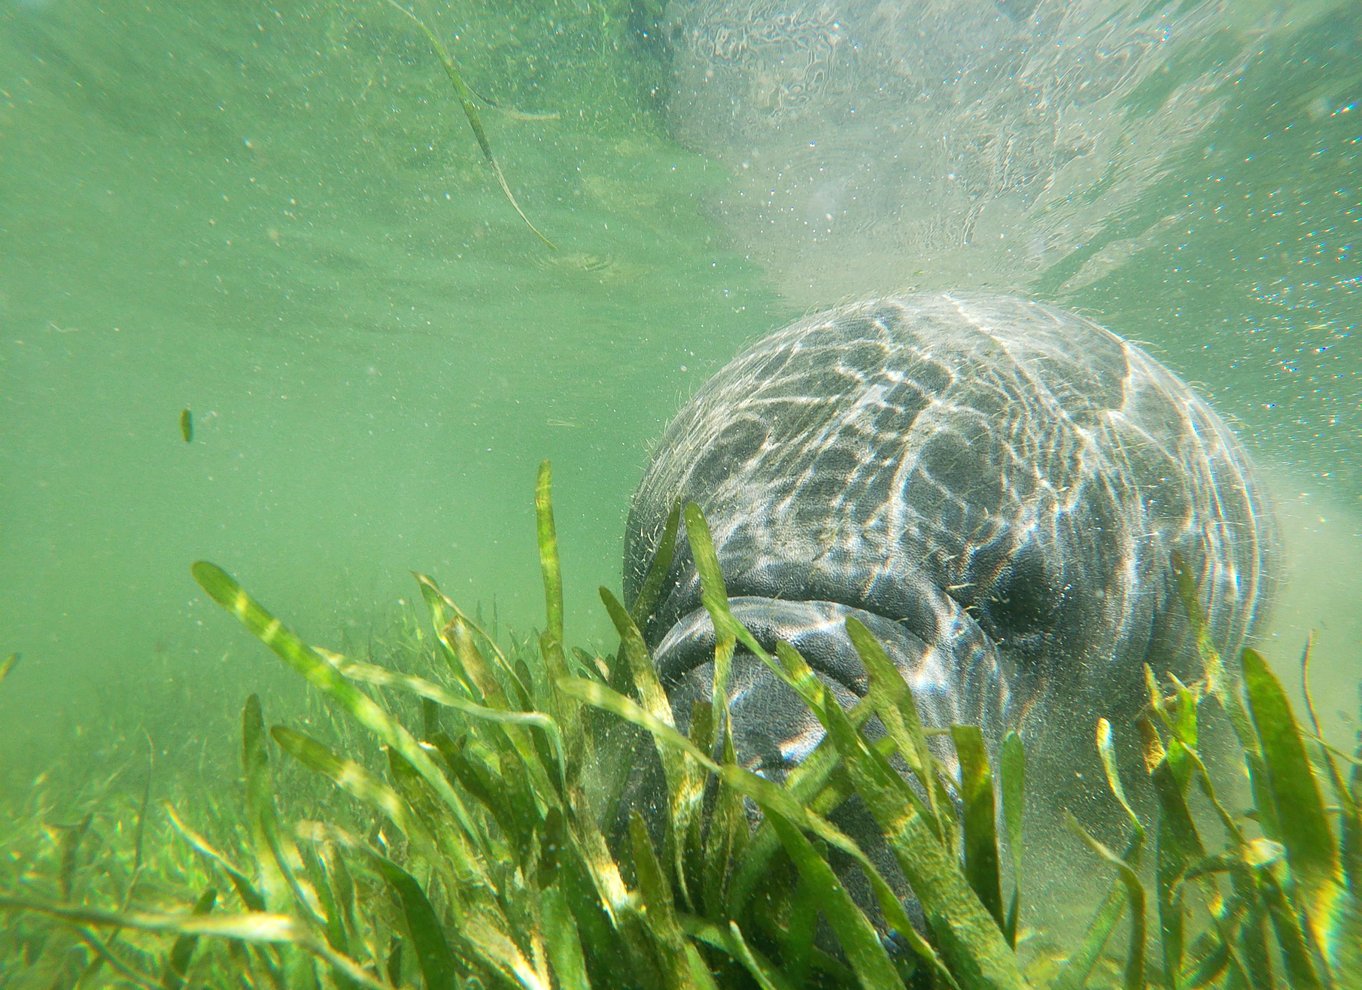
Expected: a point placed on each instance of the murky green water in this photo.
(278, 219)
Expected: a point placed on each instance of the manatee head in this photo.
(994, 487)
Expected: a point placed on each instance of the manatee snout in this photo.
(772, 726)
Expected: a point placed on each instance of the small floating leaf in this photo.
(187, 425)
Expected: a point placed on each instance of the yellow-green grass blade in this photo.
(642, 675)
(489, 779)
(892, 700)
(724, 648)
(630, 926)
(69, 840)
(864, 951)
(253, 899)
(342, 884)
(659, 907)
(333, 918)
(1349, 798)
(1293, 941)
(470, 111)
(729, 940)
(1134, 978)
(506, 959)
(1013, 786)
(7, 665)
(1179, 846)
(819, 784)
(968, 938)
(1075, 970)
(224, 589)
(700, 976)
(979, 820)
(507, 720)
(685, 787)
(496, 867)
(1106, 750)
(346, 930)
(105, 955)
(774, 799)
(1215, 957)
(438, 966)
(548, 561)
(725, 838)
(713, 594)
(1211, 663)
(777, 976)
(597, 694)
(182, 952)
(254, 928)
(766, 794)
(800, 676)
(357, 781)
(798, 929)
(551, 640)
(562, 939)
(260, 812)
(1304, 828)
(657, 570)
(453, 629)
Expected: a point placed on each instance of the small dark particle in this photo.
(187, 425)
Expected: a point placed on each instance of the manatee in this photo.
(994, 487)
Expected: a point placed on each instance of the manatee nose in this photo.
(773, 728)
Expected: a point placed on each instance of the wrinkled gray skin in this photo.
(994, 487)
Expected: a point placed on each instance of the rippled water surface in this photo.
(278, 219)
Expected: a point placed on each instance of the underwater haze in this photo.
(263, 303)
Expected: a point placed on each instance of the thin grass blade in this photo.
(1304, 828)
(893, 702)
(1013, 786)
(657, 570)
(864, 951)
(182, 952)
(563, 940)
(470, 110)
(255, 928)
(1135, 900)
(252, 898)
(359, 782)
(968, 937)
(979, 820)
(659, 907)
(225, 590)
(436, 961)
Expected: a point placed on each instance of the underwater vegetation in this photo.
(467, 848)
(467, 102)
